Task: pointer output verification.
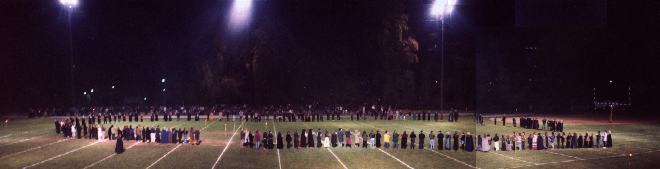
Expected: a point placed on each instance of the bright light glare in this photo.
(162, 80)
(240, 14)
(84, 93)
(91, 91)
(112, 87)
(441, 8)
(69, 3)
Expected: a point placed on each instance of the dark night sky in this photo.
(134, 43)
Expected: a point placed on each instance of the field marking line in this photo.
(342, 163)
(168, 153)
(154, 163)
(22, 140)
(397, 159)
(513, 158)
(228, 144)
(643, 148)
(452, 158)
(279, 161)
(598, 158)
(578, 158)
(6, 136)
(34, 148)
(60, 155)
(605, 151)
(110, 156)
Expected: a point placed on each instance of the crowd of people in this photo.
(542, 141)
(77, 128)
(526, 122)
(287, 113)
(310, 138)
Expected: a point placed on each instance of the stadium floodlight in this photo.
(163, 90)
(69, 3)
(145, 99)
(239, 16)
(84, 93)
(162, 80)
(113, 87)
(440, 8)
(91, 90)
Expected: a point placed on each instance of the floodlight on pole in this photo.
(440, 8)
(239, 16)
(69, 3)
(162, 80)
(113, 87)
(91, 90)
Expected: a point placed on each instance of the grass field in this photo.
(32, 143)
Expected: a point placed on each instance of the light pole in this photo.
(163, 86)
(439, 10)
(70, 5)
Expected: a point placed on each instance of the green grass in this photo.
(29, 141)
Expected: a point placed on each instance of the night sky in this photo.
(500, 55)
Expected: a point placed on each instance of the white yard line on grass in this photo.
(228, 144)
(168, 153)
(513, 158)
(452, 158)
(397, 159)
(578, 158)
(60, 155)
(598, 158)
(643, 148)
(6, 136)
(23, 140)
(605, 151)
(34, 148)
(154, 163)
(342, 163)
(279, 161)
(110, 156)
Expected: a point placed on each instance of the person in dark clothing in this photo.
(288, 139)
(422, 136)
(440, 140)
(318, 138)
(469, 143)
(378, 137)
(609, 139)
(58, 127)
(303, 138)
(412, 139)
(119, 146)
(280, 145)
(455, 137)
(404, 140)
(333, 139)
(310, 139)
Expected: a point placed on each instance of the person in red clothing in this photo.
(257, 139)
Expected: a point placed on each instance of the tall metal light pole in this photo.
(163, 85)
(70, 5)
(439, 10)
